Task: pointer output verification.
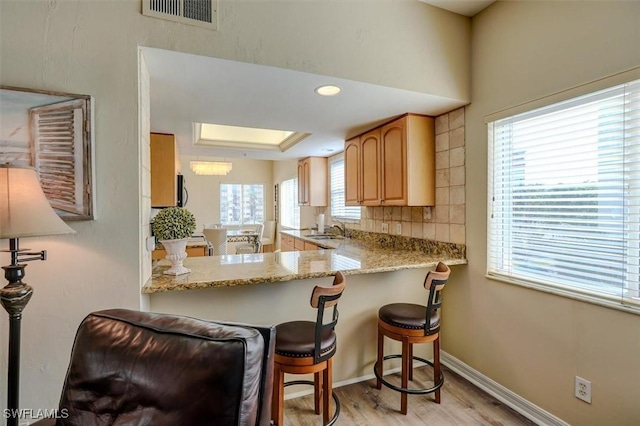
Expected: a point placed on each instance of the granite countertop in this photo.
(351, 256)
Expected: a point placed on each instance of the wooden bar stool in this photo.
(304, 347)
(410, 323)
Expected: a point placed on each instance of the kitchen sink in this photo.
(325, 237)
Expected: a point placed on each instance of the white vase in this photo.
(176, 254)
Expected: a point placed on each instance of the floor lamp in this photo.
(24, 212)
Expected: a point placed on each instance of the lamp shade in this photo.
(24, 209)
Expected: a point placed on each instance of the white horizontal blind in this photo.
(338, 208)
(565, 195)
(289, 208)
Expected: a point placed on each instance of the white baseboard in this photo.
(502, 394)
(493, 388)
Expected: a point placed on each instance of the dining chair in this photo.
(247, 248)
(217, 238)
(268, 234)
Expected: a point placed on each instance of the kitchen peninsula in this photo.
(351, 256)
(271, 288)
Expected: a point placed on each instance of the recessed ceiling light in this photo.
(328, 90)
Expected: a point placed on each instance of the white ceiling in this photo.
(187, 88)
(462, 7)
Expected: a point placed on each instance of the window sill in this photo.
(612, 303)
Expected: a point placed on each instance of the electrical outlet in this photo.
(398, 228)
(583, 389)
(385, 228)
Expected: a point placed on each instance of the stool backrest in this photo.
(321, 298)
(218, 239)
(435, 282)
(259, 229)
(269, 230)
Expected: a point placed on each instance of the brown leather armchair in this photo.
(141, 368)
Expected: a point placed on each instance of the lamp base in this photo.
(15, 295)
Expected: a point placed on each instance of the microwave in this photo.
(183, 194)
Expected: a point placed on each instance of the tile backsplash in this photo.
(446, 220)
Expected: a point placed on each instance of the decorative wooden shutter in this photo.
(59, 149)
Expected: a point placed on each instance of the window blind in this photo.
(289, 208)
(338, 208)
(564, 205)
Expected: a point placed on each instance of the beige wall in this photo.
(531, 342)
(204, 191)
(91, 47)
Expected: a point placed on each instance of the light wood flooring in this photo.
(364, 405)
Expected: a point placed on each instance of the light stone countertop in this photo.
(351, 256)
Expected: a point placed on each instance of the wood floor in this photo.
(364, 405)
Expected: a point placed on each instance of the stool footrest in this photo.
(336, 400)
(437, 385)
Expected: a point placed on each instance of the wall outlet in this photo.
(385, 228)
(399, 228)
(583, 389)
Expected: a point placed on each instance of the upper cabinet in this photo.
(352, 175)
(312, 182)
(164, 160)
(392, 165)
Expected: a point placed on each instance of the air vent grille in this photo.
(198, 9)
(202, 13)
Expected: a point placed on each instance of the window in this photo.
(289, 209)
(338, 209)
(241, 204)
(564, 203)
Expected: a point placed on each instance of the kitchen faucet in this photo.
(341, 228)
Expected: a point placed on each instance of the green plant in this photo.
(174, 223)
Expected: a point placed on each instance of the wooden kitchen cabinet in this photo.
(392, 165)
(362, 170)
(287, 242)
(290, 243)
(298, 244)
(160, 253)
(312, 181)
(352, 172)
(310, 246)
(164, 170)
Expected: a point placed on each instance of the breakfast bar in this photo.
(351, 256)
(272, 288)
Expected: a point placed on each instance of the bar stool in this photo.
(409, 324)
(304, 347)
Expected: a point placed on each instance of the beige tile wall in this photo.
(446, 220)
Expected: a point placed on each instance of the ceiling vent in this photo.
(202, 13)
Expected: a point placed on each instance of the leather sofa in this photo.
(140, 368)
